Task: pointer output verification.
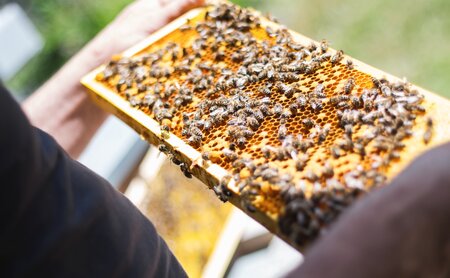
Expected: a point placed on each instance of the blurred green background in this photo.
(405, 38)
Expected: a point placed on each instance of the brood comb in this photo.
(284, 127)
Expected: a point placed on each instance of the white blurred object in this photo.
(247, 249)
(19, 40)
(114, 152)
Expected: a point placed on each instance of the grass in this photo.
(66, 26)
(405, 38)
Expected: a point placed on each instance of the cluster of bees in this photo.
(261, 99)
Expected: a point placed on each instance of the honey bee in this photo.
(346, 143)
(370, 117)
(277, 109)
(247, 133)
(300, 66)
(349, 85)
(302, 101)
(394, 155)
(382, 145)
(185, 169)
(149, 100)
(270, 32)
(308, 123)
(233, 131)
(415, 108)
(269, 174)
(336, 152)
(402, 134)
(286, 114)
(312, 66)
(368, 104)
(337, 57)
(293, 107)
(194, 140)
(204, 66)
(229, 154)
(287, 90)
(376, 82)
(291, 77)
(327, 170)
(237, 57)
(385, 90)
(265, 90)
(253, 123)
(174, 160)
(301, 162)
(281, 153)
(241, 141)
(222, 191)
(163, 114)
(134, 101)
(165, 125)
(311, 176)
(213, 156)
(305, 144)
(207, 125)
(349, 64)
(312, 47)
(348, 129)
(428, 131)
(241, 82)
(256, 68)
(259, 113)
(337, 99)
(272, 18)
(196, 131)
(315, 104)
(163, 148)
(295, 46)
(319, 91)
(267, 151)
(282, 132)
(399, 145)
(219, 55)
(356, 102)
(165, 131)
(323, 133)
(359, 148)
(324, 45)
(248, 206)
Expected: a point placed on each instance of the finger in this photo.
(177, 7)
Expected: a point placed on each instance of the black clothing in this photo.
(59, 219)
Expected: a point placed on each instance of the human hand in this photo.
(61, 107)
(134, 23)
(401, 230)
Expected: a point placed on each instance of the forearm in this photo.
(402, 230)
(61, 106)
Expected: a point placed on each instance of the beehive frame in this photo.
(211, 174)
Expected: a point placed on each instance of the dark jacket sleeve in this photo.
(59, 219)
(400, 230)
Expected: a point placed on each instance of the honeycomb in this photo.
(189, 220)
(300, 129)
